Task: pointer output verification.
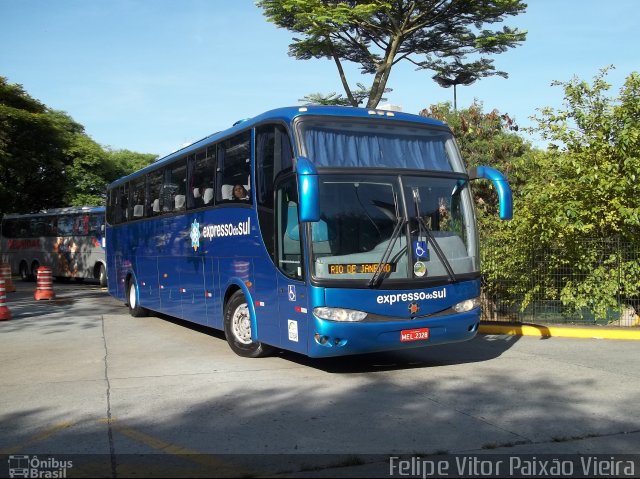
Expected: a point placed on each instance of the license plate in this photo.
(414, 334)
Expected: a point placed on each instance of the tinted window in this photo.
(137, 199)
(155, 179)
(273, 154)
(234, 168)
(202, 184)
(175, 187)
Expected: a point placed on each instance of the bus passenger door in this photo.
(293, 301)
(294, 316)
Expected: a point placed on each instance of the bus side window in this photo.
(155, 188)
(65, 225)
(201, 179)
(111, 210)
(121, 203)
(138, 197)
(234, 166)
(273, 154)
(175, 187)
(289, 237)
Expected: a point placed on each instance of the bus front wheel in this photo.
(237, 329)
(135, 309)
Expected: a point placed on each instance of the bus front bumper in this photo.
(332, 338)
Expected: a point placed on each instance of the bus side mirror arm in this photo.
(501, 185)
(309, 208)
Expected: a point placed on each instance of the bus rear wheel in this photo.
(237, 329)
(34, 270)
(24, 272)
(102, 275)
(135, 309)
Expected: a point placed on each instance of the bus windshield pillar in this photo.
(307, 190)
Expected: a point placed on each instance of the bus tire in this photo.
(237, 329)
(102, 275)
(24, 271)
(34, 270)
(135, 309)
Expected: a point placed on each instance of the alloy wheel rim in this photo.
(241, 324)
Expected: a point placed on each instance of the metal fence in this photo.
(538, 292)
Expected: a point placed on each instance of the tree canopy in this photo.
(47, 160)
(378, 34)
(577, 204)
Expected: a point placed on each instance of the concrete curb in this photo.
(560, 331)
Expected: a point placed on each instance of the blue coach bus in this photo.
(322, 230)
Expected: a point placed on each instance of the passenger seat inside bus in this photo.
(179, 202)
(138, 211)
(208, 195)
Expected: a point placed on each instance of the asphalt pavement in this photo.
(83, 381)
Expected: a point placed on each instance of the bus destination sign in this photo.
(354, 268)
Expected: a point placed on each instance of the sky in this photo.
(153, 75)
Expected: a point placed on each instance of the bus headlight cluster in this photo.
(339, 314)
(466, 305)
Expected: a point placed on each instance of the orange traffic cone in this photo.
(44, 284)
(5, 273)
(5, 314)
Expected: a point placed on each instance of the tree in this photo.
(484, 139)
(47, 160)
(124, 162)
(33, 163)
(578, 212)
(378, 34)
(88, 174)
(457, 73)
(337, 99)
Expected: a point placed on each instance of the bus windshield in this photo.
(336, 142)
(359, 214)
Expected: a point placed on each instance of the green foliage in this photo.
(124, 162)
(377, 34)
(46, 159)
(336, 99)
(32, 151)
(576, 200)
(484, 139)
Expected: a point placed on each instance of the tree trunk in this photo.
(382, 75)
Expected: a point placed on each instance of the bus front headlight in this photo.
(466, 305)
(339, 314)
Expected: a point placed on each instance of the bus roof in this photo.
(59, 211)
(287, 115)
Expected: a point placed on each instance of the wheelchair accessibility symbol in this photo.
(292, 292)
(420, 250)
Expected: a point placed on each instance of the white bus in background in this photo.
(69, 240)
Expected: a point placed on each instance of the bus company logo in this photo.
(414, 296)
(23, 244)
(27, 466)
(414, 308)
(243, 228)
(195, 235)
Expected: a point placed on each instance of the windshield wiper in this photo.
(375, 279)
(432, 239)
